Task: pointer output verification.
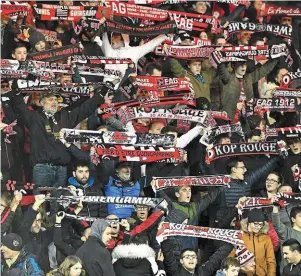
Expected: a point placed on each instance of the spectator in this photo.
(72, 266)
(230, 267)
(292, 253)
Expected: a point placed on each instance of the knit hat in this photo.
(255, 215)
(12, 241)
(35, 37)
(98, 227)
(176, 216)
(244, 255)
(47, 95)
(122, 164)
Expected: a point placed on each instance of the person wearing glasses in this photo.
(255, 229)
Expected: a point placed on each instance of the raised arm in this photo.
(149, 46)
(186, 138)
(264, 70)
(176, 68)
(208, 199)
(281, 229)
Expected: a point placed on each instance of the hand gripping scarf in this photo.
(137, 154)
(226, 235)
(120, 138)
(161, 183)
(235, 149)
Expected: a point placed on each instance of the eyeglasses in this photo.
(258, 224)
(188, 257)
(272, 181)
(4, 86)
(244, 168)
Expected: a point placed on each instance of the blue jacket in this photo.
(117, 187)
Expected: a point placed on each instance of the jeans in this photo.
(50, 176)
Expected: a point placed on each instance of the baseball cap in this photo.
(12, 241)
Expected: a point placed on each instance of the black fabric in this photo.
(292, 270)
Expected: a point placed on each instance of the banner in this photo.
(57, 54)
(209, 137)
(50, 36)
(234, 237)
(100, 60)
(198, 116)
(137, 154)
(14, 10)
(163, 28)
(287, 92)
(185, 52)
(278, 30)
(235, 149)
(161, 183)
(271, 9)
(70, 13)
(116, 137)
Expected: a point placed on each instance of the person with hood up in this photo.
(256, 240)
(120, 48)
(121, 184)
(137, 258)
(94, 254)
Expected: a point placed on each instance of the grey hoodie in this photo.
(98, 227)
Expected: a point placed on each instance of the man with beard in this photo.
(82, 184)
(48, 156)
(121, 185)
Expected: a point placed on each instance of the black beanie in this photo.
(12, 241)
(255, 215)
(176, 216)
(35, 37)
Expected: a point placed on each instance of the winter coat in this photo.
(292, 270)
(96, 258)
(230, 86)
(36, 243)
(90, 189)
(119, 188)
(10, 221)
(46, 148)
(261, 245)
(25, 265)
(292, 178)
(173, 267)
(284, 232)
(239, 188)
(136, 260)
(201, 89)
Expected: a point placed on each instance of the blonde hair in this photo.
(70, 261)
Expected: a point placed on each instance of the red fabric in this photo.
(139, 128)
(218, 8)
(274, 236)
(5, 214)
(114, 242)
(27, 200)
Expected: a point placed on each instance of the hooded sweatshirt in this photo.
(93, 253)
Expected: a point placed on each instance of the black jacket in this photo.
(292, 270)
(25, 265)
(173, 268)
(96, 258)
(45, 145)
(136, 260)
(36, 244)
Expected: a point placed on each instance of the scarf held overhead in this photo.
(161, 183)
(221, 151)
(287, 92)
(116, 137)
(137, 154)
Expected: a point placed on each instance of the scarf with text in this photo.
(137, 154)
(234, 2)
(80, 89)
(185, 52)
(201, 42)
(71, 13)
(199, 116)
(277, 30)
(275, 104)
(163, 28)
(14, 10)
(100, 60)
(116, 137)
(290, 77)
(284, 132)
(254, 203)
(95, 70)
(150, 101)
(270, 9)
(57, 54)
(210, 136)
(244, 53)
(235, 149)
(290, 198)
(287, 92)
(147, 201)
(50, 36)
(234, 237)
(161, 183)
